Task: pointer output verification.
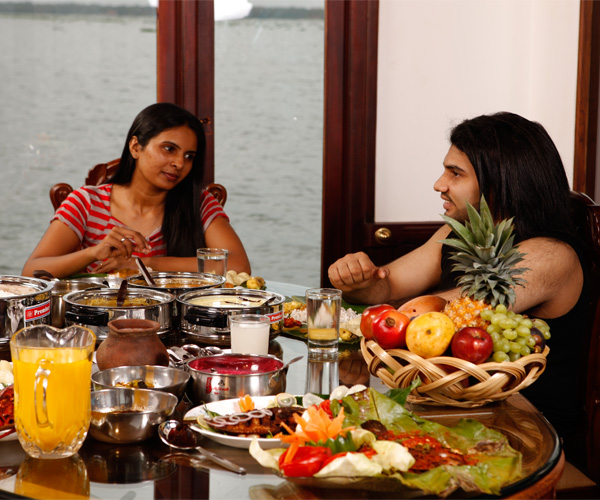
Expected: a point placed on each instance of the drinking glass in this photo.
(212, 260)
(322, 375)
(52, 370)
(250, 333)
(323, 319)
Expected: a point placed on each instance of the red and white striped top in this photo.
(86, 211)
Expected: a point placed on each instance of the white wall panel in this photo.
(441, 61)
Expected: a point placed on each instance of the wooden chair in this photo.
(577, 483)
(102, 172)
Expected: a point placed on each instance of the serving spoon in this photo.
(187, 440)
(144, 270)
(122, 293)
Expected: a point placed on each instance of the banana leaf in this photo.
(498, 463)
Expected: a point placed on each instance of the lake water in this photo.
(72, 84)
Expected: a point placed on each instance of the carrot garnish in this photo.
(318, 428)
(246, 403)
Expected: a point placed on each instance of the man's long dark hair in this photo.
(519, 170)
(182, 223)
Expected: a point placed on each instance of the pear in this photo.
(429, 334)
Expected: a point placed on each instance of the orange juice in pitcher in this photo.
(52, 370)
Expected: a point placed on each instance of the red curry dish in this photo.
(7, 407)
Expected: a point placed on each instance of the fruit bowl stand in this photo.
(446, 380)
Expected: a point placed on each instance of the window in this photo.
(73, 79)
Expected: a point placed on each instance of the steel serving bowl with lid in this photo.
(204, 314)
(227, 376)
(23, 302)
(94, 308)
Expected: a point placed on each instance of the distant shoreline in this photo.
(125, 10)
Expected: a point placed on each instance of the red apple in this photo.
(389, 329)
(472, 344)
(367, 318)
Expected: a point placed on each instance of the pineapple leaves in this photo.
(485, 256)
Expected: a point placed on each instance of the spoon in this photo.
(189, 441)
(122, 293)
(285, 367)
(144, 270)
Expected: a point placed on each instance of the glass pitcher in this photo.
(52, 370)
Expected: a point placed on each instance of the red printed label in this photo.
(38, 311)
(276, 317)
(217, 389)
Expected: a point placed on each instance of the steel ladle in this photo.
(166, 427)
(144, 270)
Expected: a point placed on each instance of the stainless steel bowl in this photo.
(227, 376)
(129, 415)
(94, 308)
(32, 307)
(63, 287)
(205, 313)
(158, 378)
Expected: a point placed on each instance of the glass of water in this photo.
(323, 307)
(212, 260)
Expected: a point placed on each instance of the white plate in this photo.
(226, 407)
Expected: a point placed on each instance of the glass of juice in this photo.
(52, 370)
(249, 333)
(323, 307)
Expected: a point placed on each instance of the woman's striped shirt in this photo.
(86, 211)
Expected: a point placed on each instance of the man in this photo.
(515, 165)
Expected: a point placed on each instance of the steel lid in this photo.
(37, 286)
(103, 298)
(231, 298)
(177, 281)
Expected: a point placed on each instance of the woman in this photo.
(154, 207)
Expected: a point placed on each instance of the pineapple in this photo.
(487, 260)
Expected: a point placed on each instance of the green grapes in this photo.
(514, 335)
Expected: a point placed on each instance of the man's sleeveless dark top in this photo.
(558, 393)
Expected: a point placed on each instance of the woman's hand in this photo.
(120, 243)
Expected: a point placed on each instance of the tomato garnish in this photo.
(291, 323)
(326, 407)
(306, 462)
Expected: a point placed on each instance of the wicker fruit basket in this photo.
(442, 377)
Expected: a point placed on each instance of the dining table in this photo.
(152, 470)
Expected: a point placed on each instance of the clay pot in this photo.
(132, 342)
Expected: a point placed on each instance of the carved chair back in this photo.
(100, 174)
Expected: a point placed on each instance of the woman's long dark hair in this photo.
(182, 222)
(519, 170)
